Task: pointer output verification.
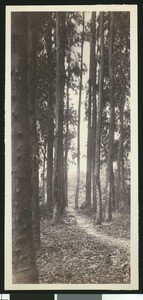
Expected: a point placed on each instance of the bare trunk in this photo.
(59, 190)
(98, 132)
(67, 135)
(89, 154)
(23, 257)
(32, 53)
(94, 111)
(78, 129)
(110, 174)
(120, 157)
(50, 123)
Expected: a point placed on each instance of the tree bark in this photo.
(44, 160)
(91, 118)
(79, 117)
(32, 54)
(67, 134)
(110, 174)
(120, 158)
(98, 132)
(94, 114)
(23, 257)
(50, 122)
(59, 189)
(89, 137)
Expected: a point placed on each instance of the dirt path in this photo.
(75, 252)
(87, 225)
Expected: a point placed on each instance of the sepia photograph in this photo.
(71, 140)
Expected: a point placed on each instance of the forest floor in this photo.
(77, 251)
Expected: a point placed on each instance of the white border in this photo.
(134, 153)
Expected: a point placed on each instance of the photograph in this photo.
(71, 148)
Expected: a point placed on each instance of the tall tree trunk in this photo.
(59, 189)
(79, 116)
(94, 115)
(67, 134)
(50, 122)
(110, 174)
(120, 157)
(98, 132)
(23, 257)
(32, 53)
(90, 143)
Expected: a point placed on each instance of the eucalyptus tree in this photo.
(79, 119)
(23, 257)
(32, 66)
(99, 123)
(91, 103)
(59, 191)
(110, 176)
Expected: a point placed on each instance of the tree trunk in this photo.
(59, 189)
(120, 158)
(23, 257)
(50, 122)
(94, 115)
(98, 132)
(67, 134)
(32, 53)
(90, 143)
(44, 160)
(79, 116)
(110, 174)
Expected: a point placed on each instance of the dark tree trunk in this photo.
(91, 123)
(94, 115)
(23, 257)
(44, 161)
(98, 132)
(32, 55)
(90, 143)
(79, 116)
(120, 158)
(67, 135)
(110, 174)
(59, 189)
(50, 121)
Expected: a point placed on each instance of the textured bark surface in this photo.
(79, 116)
(94, 114)
(67, 134)
(50, 120)
(32, 55)
(120, 172)
(110, 174)
(59, 192)
(98, 132)
(92, 96)
(23, 257)
(43, 178)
